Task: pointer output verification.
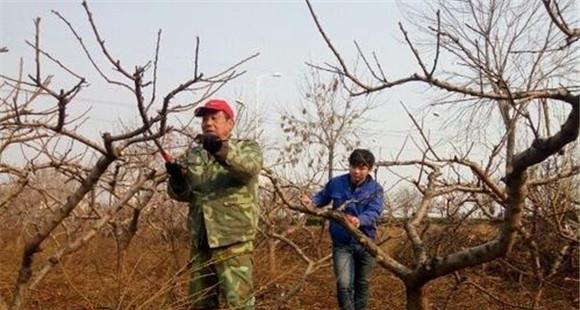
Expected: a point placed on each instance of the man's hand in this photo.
(176, 171)
(210, 142)
(353, 220)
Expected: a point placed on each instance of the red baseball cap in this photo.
(214, 105)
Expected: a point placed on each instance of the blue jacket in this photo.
(364, 202)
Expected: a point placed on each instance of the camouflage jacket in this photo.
(222, 196)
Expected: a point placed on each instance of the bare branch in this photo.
(116, 63)
(543, 148)
(573, 34)
(85, 49)
(331, 47)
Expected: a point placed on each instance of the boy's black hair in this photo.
(361, 157)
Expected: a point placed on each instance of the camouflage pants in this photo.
(226, 270)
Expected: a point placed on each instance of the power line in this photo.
(85, 99)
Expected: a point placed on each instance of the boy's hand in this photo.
(306, 201)
(353, 220)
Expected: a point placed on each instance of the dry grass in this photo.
(146, 278)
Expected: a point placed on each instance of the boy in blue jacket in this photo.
(360, 197)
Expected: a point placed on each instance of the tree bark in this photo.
(272, 255)
(416, 299)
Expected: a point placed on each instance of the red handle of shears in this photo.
(168, 158)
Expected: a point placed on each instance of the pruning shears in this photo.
(166, 157)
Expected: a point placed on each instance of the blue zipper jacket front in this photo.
(364, 201)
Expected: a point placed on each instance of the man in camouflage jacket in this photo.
(219, 180)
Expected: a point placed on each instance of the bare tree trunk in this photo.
(3, 304)
(33, 245)
(272, 255)
(325, 223)
(416, 299)
(330, 162)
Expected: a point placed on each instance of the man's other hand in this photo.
(210, 142)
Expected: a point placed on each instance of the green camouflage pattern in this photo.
(223, 220)
(230, 269)
(222, 197)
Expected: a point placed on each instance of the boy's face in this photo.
(358, 173)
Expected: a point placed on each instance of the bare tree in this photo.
(328, 124)
(508, 57)
(49, 138)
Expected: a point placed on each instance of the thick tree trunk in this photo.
(416, 299)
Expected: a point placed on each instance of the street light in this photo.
(258, 82)
(243, 105)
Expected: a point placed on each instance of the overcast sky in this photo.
(281, 31)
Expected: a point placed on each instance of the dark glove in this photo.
(210, 142)
(175, 171)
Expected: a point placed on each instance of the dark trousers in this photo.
(352, 268)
